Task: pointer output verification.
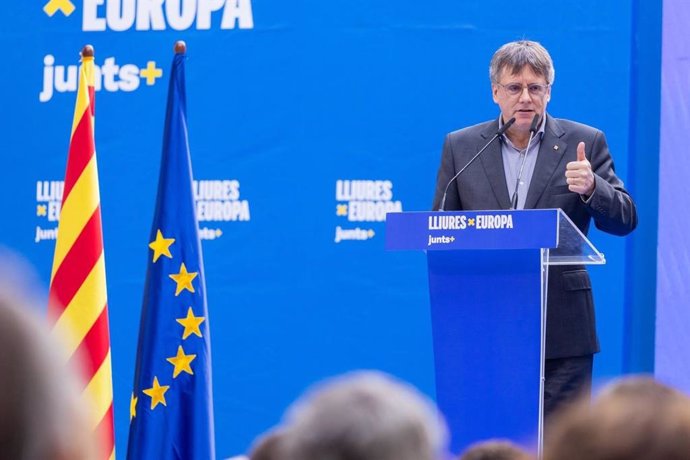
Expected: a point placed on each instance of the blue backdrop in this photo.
(307, 121)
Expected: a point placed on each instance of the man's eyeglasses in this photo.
(534, 89)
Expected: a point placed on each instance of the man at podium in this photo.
(539, 161)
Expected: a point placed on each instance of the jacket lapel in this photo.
(492, 160)
(551, 153)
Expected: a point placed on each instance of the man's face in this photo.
(531, 98)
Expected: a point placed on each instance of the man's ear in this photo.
(494, 92)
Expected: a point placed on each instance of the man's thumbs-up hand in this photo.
(579, 175)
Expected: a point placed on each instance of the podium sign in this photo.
(488, 277)
(472, 230)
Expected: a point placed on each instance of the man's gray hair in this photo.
(364, 416)
(514, 56)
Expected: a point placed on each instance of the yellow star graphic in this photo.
(133, 407)
(157, 393)
(341, 210)
(191, 324)
(370, 233)
(470, 221)
(161, 246)
(183, 280)
(41, 210)
(181, 362)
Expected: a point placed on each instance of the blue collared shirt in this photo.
(512, 159)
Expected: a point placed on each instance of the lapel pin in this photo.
(555, 147)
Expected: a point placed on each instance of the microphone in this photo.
(532, 132)
(498, 134)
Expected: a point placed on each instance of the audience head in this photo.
(640, 388)
(494, 449)
(40, 414)
(633, 419)
(364, 416)
(268, 447)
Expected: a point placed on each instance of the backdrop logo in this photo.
(218, 201)
(363, 201)
(64, 6)
(123, 15)
(48, 202)
(110, 76)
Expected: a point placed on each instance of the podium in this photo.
(488, 278)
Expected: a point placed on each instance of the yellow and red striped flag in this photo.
(78, 302)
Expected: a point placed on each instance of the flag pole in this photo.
(171, 407)
(78, 300)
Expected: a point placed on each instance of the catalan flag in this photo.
(171, 408)
(78, 302)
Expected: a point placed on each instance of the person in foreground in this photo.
(494, 449)
(567, 165)
(636, 418)
(41, 414)
(267, 446)
(363, 416)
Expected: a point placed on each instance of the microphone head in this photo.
(533, 126)
(505, 126)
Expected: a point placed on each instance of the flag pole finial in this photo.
(180, 47)
(87, 51)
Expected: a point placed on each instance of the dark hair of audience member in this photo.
(494, 449)
(40, 414)
(268, 447)
(633, 419)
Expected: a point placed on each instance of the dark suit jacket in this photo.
(571, 329)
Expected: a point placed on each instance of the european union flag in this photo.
(171, 410)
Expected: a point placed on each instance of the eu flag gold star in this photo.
(470, 221)
(183, 280)
(181, 362)
(191, 324)
(133, 407)
(161, 246)
(157, 393)
(341, 210)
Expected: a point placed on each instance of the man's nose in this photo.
(524, 94)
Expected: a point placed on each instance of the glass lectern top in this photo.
(573, 247)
